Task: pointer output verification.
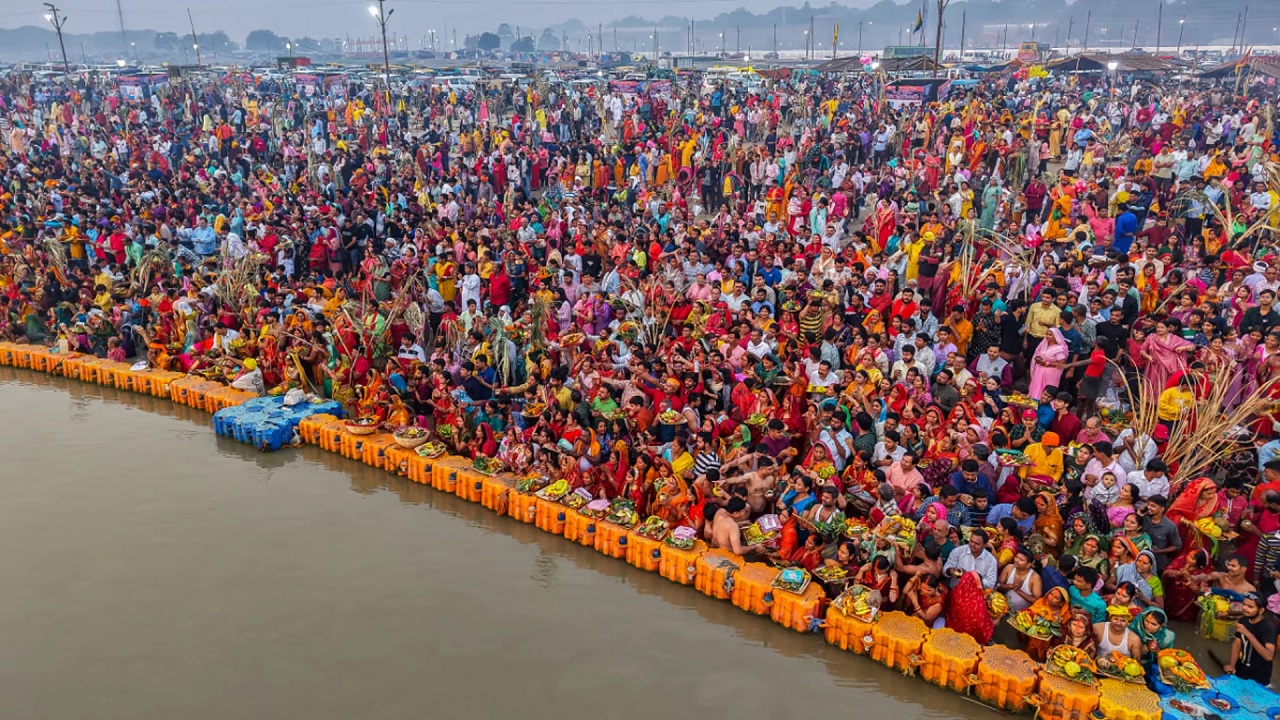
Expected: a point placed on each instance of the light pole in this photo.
(860, 35)
(56, 17)
(382, 15)
(721, 46)
(806, 44)
(1182, 24)
(1111, 71)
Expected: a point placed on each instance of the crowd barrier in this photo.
(1001, 677)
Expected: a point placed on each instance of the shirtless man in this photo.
(725, 530)
(1233, 578)
(758, 483)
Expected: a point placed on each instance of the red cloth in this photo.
(967, 609)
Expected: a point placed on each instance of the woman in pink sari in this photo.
(1166, 355)
(1046, 364)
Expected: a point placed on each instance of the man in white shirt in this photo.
(1152, 480)
(410, 349)
(972, 557)
(1103, 462)
(1133, 451)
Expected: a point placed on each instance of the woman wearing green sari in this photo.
(1152, 628)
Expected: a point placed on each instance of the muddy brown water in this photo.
(154, 570)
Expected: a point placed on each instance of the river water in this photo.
(155, 571)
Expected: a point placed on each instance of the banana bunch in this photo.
(1209, 527)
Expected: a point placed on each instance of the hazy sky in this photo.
(335, 18)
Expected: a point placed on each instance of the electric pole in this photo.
(56, 17)
(1159, 23)
(963, 19)
(124, 39)
(1071, 23)
(195, 41)
(382, 15)
(1084, 46)
(1135, 31)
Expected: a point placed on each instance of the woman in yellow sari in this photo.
(1059, 215)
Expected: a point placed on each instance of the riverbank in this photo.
(1003, 678)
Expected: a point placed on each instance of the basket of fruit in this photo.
(854, 603)
(1121, 667)
(487, 465)
(1181, 671)
(623, 513)
(671, 417)
(899, 530)
(431, 449)
(1218, 617)
(1034, 626)
(1021, 400)
(654, 528)
(363, 426)
(555, 491)
(1013, 459)
(411, 437)
(831, 574)
(1073, 664)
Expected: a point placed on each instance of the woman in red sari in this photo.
(1198, 501)
(967, 609)
(1181, 589)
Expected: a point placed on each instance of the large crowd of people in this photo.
(805, 304)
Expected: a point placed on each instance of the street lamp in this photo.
(860, 35)
(57, 19)
(806, 44)
(722, 45)
(382, 15)
(1182, 24)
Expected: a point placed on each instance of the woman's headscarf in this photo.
(967, 609)
(1163, 637)
(1128, 572)
(1188, 506)
(1049, 522)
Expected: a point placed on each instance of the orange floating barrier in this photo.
(680, 566)
(611, 539)
(897, 639)
(550, 516)
(578, 527)
(1006, 677)
(331, 436)
(1063, 699)
(470, 485)
(949, 659)
(493, 488)
(41, 359)
(311, 428)
(714, 570)
(123, 378)
(444, 473)
(7, 354)
(799, 610)
(420, 469)
(162, 383)
(848, 632)
(398, 459)
(373, 451)
(22, 355)
(644, 553)
(522, 506)
(752, 588)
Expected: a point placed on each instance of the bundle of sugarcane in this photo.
(1209, 429)
(237, 284)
